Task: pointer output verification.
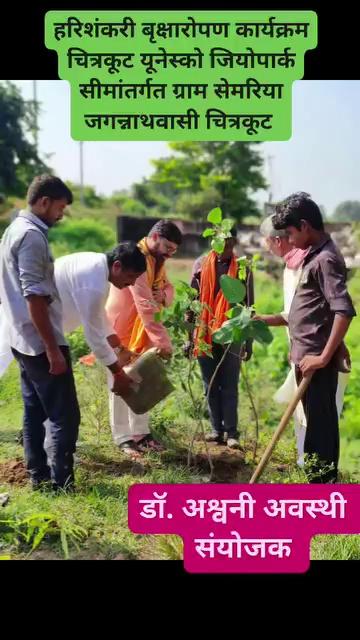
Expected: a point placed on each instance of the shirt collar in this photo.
(315, 248)
(29, 215)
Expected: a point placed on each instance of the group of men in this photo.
(116, 296)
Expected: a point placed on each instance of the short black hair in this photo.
(168, 230)
(129, 256)
(295, 208)
(50, 187)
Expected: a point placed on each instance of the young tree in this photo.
(19, 159)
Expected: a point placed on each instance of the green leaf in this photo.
(233, 290)
(215, 216)
(238, 335)
(238, 325)
(157, 316)
(245, 316)
(261, 332)
(218, 245)
(242, 264)
(233, 312)
(39, 536)
(227, 224)
(196, 307)
(228, 331)
(205, 348)
(208, 232)
(64, 544)
(224, 335)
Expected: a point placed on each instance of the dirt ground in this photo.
(13, 472)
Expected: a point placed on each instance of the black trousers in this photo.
(322, 430)
(53, 398)
(223, 397)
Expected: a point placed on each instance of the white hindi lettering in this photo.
(219, 509)
(194, 508)
(235, 546)
(334, 507)
(154, 508)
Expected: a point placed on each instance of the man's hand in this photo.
(125, 357)
(113, 341)
(57, 362)
(121, 384)
(309, 364)
(347, 357)
(342, 359)
(271, 321)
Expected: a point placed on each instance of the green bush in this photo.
(81, 235)
(89, 197)
(132, 207)
(77, 343)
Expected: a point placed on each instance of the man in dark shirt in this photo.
(319, 318)
(223, 397)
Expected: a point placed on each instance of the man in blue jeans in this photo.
(33, 310)
(223, 397)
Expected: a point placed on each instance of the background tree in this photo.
(202, 175)
(348, 211)
(19, 159)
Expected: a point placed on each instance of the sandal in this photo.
(130, 449)
(149, 444)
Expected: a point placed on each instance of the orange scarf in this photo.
(213, 314)
(139, 341)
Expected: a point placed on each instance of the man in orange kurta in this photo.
(131, 313)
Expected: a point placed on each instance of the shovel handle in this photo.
(281, 427)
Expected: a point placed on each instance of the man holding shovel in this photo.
(319, 317)
(278, 244)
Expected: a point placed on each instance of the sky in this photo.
(322, 157)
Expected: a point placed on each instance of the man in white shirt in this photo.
(279, 245)
(83, 282)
